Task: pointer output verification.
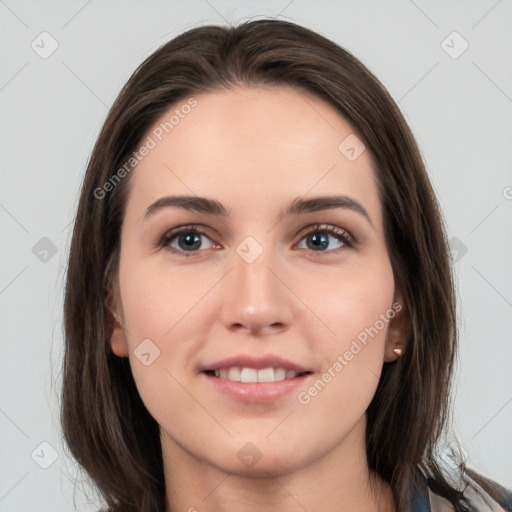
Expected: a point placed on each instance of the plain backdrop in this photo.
(447, 65)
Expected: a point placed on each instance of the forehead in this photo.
(252, 146)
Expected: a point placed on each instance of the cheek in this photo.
(154, 298)
(355, 303)
(352, 357)
(357, 308)
(162, 310)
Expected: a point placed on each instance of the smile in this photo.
(252, 375)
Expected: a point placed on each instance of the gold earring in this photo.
(397, 352)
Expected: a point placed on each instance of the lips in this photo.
(248, 368)
(248, 374)
(255, 379)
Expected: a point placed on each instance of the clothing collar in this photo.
(420, 501)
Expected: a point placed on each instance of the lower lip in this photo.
(256, 391)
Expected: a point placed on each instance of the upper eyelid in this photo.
(204, 230)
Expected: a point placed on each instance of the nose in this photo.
(256, 298)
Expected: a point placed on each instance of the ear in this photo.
(114, 323)
(399, 329)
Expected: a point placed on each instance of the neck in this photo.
(339, 480)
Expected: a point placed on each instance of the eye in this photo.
(188, 239)
(184, 239)
(319, 236)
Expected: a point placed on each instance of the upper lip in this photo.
(256, 362)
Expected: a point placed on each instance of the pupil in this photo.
(194, 239)
(320, 243)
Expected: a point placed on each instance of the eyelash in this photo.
(344, 236)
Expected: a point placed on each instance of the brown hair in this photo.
(105, 424)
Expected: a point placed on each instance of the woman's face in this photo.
(256, 337)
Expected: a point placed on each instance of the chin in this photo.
(266, 467)
(264, 458)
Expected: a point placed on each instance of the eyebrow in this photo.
(296, 207)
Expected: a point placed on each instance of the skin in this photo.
(255, 150)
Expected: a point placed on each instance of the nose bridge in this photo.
(252, 278)
(253, 296)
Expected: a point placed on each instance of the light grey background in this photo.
(51, 110)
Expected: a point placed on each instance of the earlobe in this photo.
(398, 331)
(118, 341)
(114, 324)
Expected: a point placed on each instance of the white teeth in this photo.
(269, 374)
(266, 375)
(234, 374)
(249, 375)
(281, 374)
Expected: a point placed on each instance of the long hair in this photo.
(105, 424)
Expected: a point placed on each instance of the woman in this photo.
(259, 308)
